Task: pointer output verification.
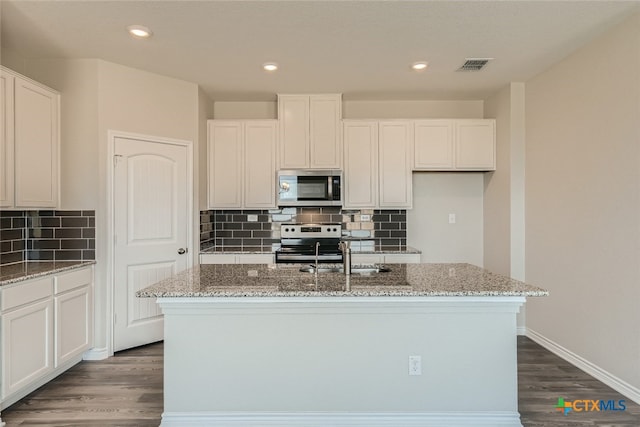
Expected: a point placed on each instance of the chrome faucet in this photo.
(317, 250)
(345, 247)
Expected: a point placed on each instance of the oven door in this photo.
(302, 251)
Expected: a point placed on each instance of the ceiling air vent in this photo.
(474, 64)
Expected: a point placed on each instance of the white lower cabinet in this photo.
(222, 258)
(73, 301)
(47, 324)
(27, 345)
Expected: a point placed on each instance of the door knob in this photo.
(182, 251)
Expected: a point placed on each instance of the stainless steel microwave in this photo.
(309, 187)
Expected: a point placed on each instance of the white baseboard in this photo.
(622, 387)
(340, 419)
(521, 330)
(96, 354)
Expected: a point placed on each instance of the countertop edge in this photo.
(53, 270)
(350, 294)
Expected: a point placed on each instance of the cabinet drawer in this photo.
(25, 293)
(75, 279)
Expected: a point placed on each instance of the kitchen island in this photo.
(423, 344)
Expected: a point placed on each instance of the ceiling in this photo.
(362, 49)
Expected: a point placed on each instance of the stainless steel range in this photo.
(300, 243)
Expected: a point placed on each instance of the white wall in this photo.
(435, 196)
(205, 108)
(138, 102)
(583, 202)
(497, 202)
(504, 228)
(361, 110)
(427, 109)
(245, 110)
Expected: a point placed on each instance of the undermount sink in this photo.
(363, 271)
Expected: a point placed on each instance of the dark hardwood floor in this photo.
(126, 390)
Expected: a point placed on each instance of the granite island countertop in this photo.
(26, 270)
(378, 249)
(285, 280)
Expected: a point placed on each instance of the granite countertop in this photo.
(388, 250)
(31, 269)
(221, 251)
(377, 250)
(279, 280)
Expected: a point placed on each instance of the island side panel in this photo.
(227, 355)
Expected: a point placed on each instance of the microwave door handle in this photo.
(330, 188)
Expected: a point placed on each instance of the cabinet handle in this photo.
(183, 251)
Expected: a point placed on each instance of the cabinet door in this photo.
(73, 323)
(36, 145)
(225, 164)
(27, 347)
(293, 116)
(6, 139)
(476, 144)
(325, 134)
(433, 145)
(360, 164)
(260, 164)
(395, 163)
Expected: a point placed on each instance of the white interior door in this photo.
(151, 213)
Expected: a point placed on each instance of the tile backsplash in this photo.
(47, 235)
(12, 236)
(259, 230)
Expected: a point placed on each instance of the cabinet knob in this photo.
(182, 251)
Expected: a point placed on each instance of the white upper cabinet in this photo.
(260, 164)
(434, 146)
(395, 161)
(29, 143)
(461, 144)
(378, 159)
(476, 144)
(242, 163)
(310, 132)
(6, 139)
(360, 164)
(225, 163)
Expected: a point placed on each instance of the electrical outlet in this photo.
(415, 365)
(252, 218)
(365, 217)
(452, 218)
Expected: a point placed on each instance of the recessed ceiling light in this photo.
(139, 31)
(270, 66)
(418, 66)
